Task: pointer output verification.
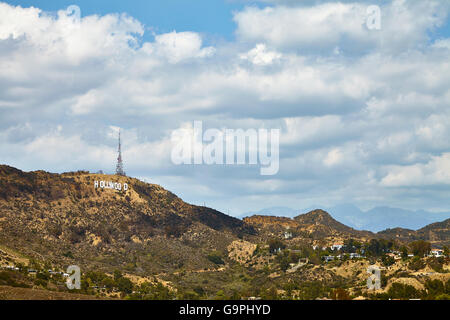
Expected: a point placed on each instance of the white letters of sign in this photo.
(111, 185)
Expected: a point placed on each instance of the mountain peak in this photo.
(317, 216)
(323, 218)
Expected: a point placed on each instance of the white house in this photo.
(337, 246)
(437, 253)
(288, 235)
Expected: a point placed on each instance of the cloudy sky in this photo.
(364, 114)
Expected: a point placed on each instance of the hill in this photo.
(315, 225)
(140, 241)
(65, 219)
(435, 233)
(273, 211)
(374, 220)
(320, 225)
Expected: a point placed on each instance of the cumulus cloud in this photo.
(325, 26)
(434, 172)
(260, 56)
(176, 47)
(363, 113)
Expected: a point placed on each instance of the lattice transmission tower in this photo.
(119, 167)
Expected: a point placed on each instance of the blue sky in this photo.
(214, 17)
(363, 113)
(207, 16)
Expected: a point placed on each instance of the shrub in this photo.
(436, 264)
(420, 248)
(216, 258)
(435, 288)
(403, 291)
(416, 264)
(388, 261)
(125, 285)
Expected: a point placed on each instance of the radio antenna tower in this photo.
(119, 167)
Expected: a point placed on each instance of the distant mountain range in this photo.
(375, 220)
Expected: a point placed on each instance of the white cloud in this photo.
(435, 172)
(325, 26)
(359, 110)
(333, 157)
(442, 44)
(284, 26)
(313, 131)
(176, 47)
(260, 56)
(65, 38)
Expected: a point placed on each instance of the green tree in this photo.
(124, 285)
(434, 288)
(220, 295)
(437, 264)
(403, 291)
(387, 260)
(446, 251)
(404, 252)
(216, 258)
(117, 275)
(284, 264)
(416, 264)
(275, 245)
(420, 248)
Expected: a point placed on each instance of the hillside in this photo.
(435, 233)
(140, 241)
(315, 225)
(320, 217)
(65, 219)
(11, 293)
(375, 220)
(399, 234)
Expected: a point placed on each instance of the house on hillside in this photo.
(394, 256)
(288, 235)
(437, 253)
(337, 246)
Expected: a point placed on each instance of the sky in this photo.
(364, 114)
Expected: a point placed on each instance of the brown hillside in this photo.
(63, 218)
(436, 233)
(266, 221)
(322, 224)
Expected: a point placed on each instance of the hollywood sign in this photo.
(110, 185)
